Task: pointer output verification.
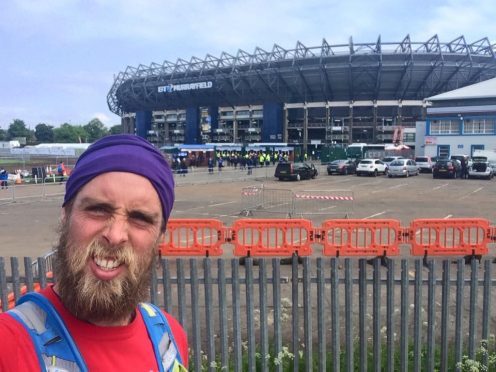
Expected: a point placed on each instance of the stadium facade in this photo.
(308, 96)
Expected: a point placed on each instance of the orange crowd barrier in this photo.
(274, 237)
(193, 237)
(454, 236)
(339, 237)
(343, 237)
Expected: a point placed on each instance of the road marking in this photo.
(341, 179)
(390, 188)
(331, 207)
(200, 207)
(378, 182)
(277, 205)
(440, 186)
(207, 206)
(397, 186)
(216, 205)
(374, 215)
(473, 192)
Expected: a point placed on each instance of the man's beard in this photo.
(95, 300)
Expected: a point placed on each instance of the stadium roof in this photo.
(379, 70)
(484, 89)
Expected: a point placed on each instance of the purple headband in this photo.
(123, 153)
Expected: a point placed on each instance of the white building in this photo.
(460, 121)
(9, 144)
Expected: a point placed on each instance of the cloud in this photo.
(453, 18)
(106, 119)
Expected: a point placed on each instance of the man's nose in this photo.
(117, 230)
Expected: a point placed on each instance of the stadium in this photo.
(305, 96)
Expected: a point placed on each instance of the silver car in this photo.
(480, 168)
(389, 159)
(403, 168)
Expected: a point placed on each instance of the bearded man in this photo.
(116, 206)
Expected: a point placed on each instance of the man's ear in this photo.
(63, 215)
(161, 236)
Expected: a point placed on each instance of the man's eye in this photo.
(98, 211)
(141, 219)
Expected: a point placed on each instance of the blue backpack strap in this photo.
(54, 345)
(160, 333)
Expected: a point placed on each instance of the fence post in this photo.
(3, 285)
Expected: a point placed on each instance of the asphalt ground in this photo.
(29, 215)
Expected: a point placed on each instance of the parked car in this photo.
(480, 168)
(295, 171)
(341, 166)
(425, 163)
(389, 159)
(447, 168)
(403, 168)
(371, 167)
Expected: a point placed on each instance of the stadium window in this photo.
(243, 114)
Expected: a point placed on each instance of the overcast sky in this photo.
(58, 58)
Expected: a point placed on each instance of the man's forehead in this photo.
(123, 186)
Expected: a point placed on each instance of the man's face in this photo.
(108, 243)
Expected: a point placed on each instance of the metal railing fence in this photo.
(39, 190)
(318, 313)
(288, 203)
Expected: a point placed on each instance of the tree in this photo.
(95, 130)
(44, 133)
(67, 133)
(116, 129)
(18, 129)
(3, 135)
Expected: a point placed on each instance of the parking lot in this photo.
(28, 225)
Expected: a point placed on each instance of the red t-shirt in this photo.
(122, 348)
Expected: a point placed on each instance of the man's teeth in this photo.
(107, 264)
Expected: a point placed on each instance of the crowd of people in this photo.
(233, 159)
